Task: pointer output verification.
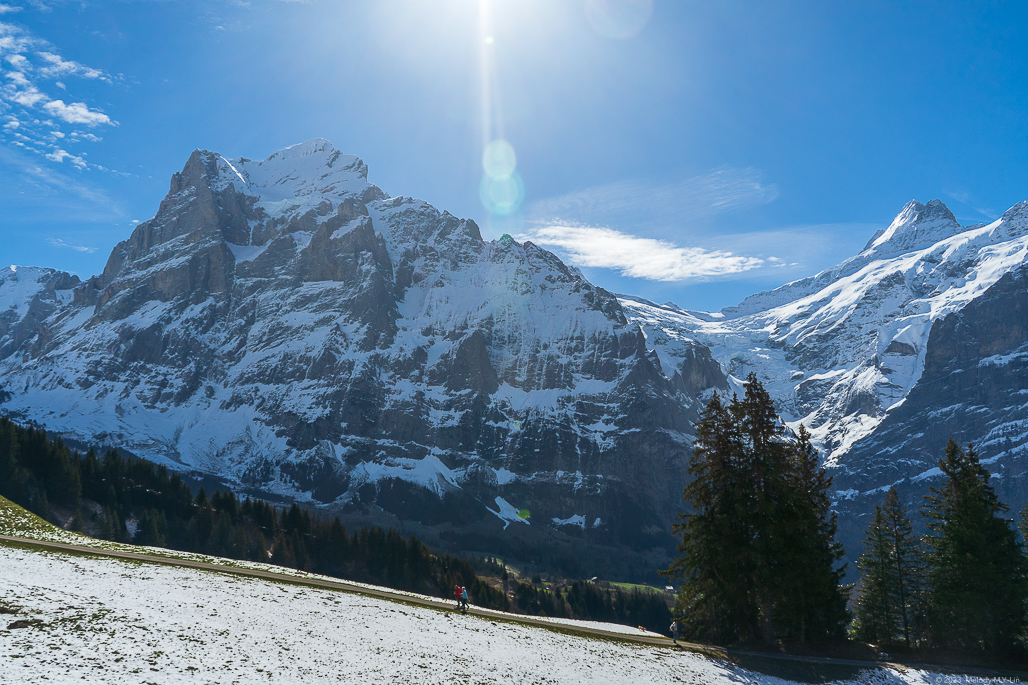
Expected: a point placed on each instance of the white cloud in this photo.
(699, 197)
(60, 155)
(5, 9)
(57, 66)
(77, 113)
(28, 95)
(655, 260)
(57, 242)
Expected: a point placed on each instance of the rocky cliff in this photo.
(288, 326)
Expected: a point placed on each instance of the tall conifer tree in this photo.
(907, 556)
(758, 548)
(876, 619)
(717, 564)
(977, 572)
(817, 599)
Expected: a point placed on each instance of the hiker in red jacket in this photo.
(457, 594)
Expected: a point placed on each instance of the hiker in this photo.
(464, 597)
(674, 631)
(456, 594)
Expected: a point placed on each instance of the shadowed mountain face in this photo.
(287, 326)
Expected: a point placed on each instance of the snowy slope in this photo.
(840, 349)
(177, 625)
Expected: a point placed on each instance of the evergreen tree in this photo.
(910, 587)
(759, 549)
(77, 525)
(766, 461)
(716, 563)
(258, 550)
(41, 505)
(816, 600)
(109, 527)
(1022, 526)
(14, 478)
(890, 608)
(151, 529)
(876, 620)
(977, 573)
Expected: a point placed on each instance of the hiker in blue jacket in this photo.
(464, 597)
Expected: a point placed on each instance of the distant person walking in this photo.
(464, 597)
(674, 631)
(457, 594)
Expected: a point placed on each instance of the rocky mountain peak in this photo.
(285, 325)
(917, 225)
(1018, 212)
(312, 168)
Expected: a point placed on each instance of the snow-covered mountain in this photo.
(920, 336)
(288, 326)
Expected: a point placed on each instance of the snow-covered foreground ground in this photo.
(112, 621)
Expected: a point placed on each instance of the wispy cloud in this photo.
(966, 199)
(703, 196)
(588, 227)
(34, 116)
(61, 155)
(76, 113)
(53, 66)
(57, 242)
(655, 260)
(76, 197)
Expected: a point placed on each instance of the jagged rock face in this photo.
(972, 388)
(28, 295)
(886, 355)
(286, 325)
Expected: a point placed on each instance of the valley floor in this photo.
(102, 620)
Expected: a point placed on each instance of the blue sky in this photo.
(678, 150)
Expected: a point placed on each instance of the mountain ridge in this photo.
(288, 326)
(845, 353)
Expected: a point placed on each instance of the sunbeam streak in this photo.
(501, 189)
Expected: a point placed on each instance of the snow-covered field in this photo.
(104, 620)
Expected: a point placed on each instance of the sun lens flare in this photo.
(502, 195)
(501, 190)
(499, 159)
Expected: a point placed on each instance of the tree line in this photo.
(39, 473)
(962, 587)
(760, 560)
